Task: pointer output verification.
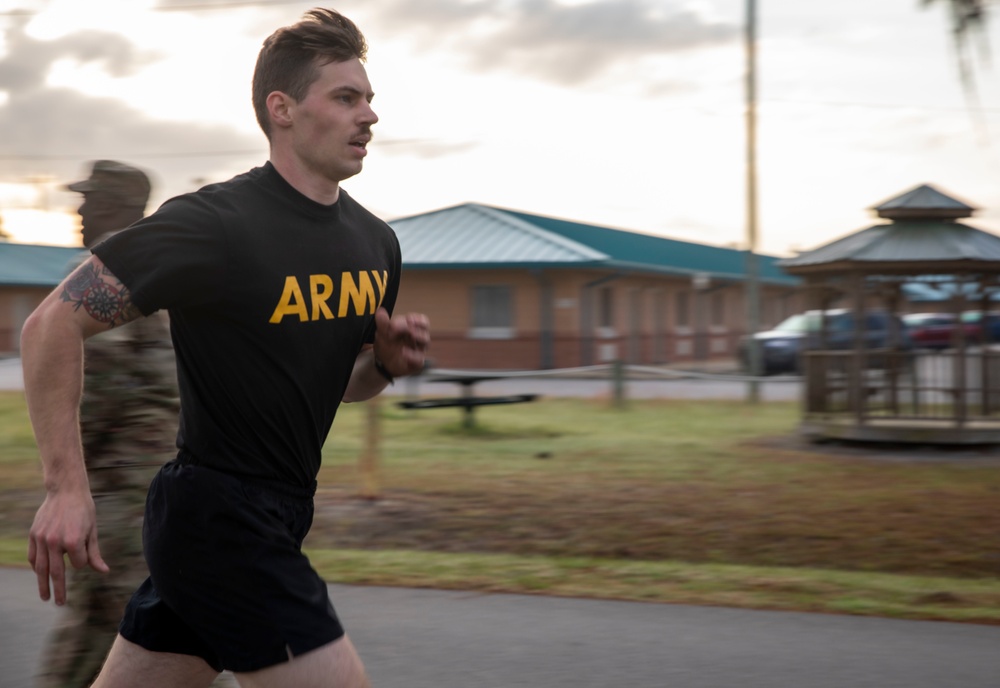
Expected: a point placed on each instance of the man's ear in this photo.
(279, 108)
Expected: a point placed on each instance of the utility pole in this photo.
(752, 282)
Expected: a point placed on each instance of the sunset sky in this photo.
(623, 113)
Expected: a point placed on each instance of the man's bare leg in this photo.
(335, 665)
(131, 666)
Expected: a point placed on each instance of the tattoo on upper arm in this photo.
(105, 299)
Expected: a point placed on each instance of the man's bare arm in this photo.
(400, 344)
(99, 294)
(89, 301)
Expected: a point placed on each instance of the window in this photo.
(606, 308)
(778, 310)
(683, 309)
(661, 312)
(718, 308)
(492, 312)
(661, 317)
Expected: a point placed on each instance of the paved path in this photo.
(10, 374)
(438, 639)
(719, 386)
(710, 387)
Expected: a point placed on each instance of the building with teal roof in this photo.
(507, 289)
(28, 272)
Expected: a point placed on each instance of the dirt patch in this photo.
(770, 501)
(848, 523)
(978, 454)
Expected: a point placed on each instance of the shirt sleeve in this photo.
(392, 288)
(175, 257)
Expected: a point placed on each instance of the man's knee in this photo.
(132, 666)
(334, 665)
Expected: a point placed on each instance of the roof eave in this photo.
(622, 266)
(898, 267)
(511, 265)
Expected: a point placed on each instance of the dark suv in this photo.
(781, 348)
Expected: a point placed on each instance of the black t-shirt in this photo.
(271, 297)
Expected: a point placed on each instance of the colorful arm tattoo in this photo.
(101, 294)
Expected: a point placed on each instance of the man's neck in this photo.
(307, 183)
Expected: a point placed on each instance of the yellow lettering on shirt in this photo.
(291, 302)
(320, 289)
(355, 291)
(381, 280)
(361, 294)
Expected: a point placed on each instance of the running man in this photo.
(280, 289)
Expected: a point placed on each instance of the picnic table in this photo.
(468, 401)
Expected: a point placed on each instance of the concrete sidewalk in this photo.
(439, 639)
(719, 382)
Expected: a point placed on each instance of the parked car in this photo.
(932, 330)
(938, 330)
(781, 348)
(976, 321)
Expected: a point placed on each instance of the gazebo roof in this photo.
(923, 237)
(905, 242)
(923, 202)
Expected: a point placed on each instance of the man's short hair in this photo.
(290, 58)
(128, 184)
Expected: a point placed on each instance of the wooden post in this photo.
(468, 420)
(752, 264)
(858, 383)
(895, 361)
(985, 376)
(961, 357)
(618, 383)
(368, 463)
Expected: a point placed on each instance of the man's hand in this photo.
(66, 523)
(400, 342)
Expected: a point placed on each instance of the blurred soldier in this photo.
(129, 421)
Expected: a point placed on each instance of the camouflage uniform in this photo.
(129, 423)
(128, 420)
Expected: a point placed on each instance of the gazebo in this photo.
(896, 393)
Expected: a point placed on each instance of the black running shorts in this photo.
(228, 580)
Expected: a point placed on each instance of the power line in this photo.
(226, 5)
(883, 106)
(205, 154)
(181, 8)
(8, 157)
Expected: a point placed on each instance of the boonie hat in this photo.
(129, 184)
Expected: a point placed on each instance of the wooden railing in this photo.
(883, 383)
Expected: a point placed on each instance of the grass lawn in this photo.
(693, 502)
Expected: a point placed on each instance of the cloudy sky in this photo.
(624, 113)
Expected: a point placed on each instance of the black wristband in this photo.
(381, 370)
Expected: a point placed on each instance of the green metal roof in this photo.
(474, 235)
(925, 202)
(922, 238)
(34, 265)
(902, 242)
(634, 248)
